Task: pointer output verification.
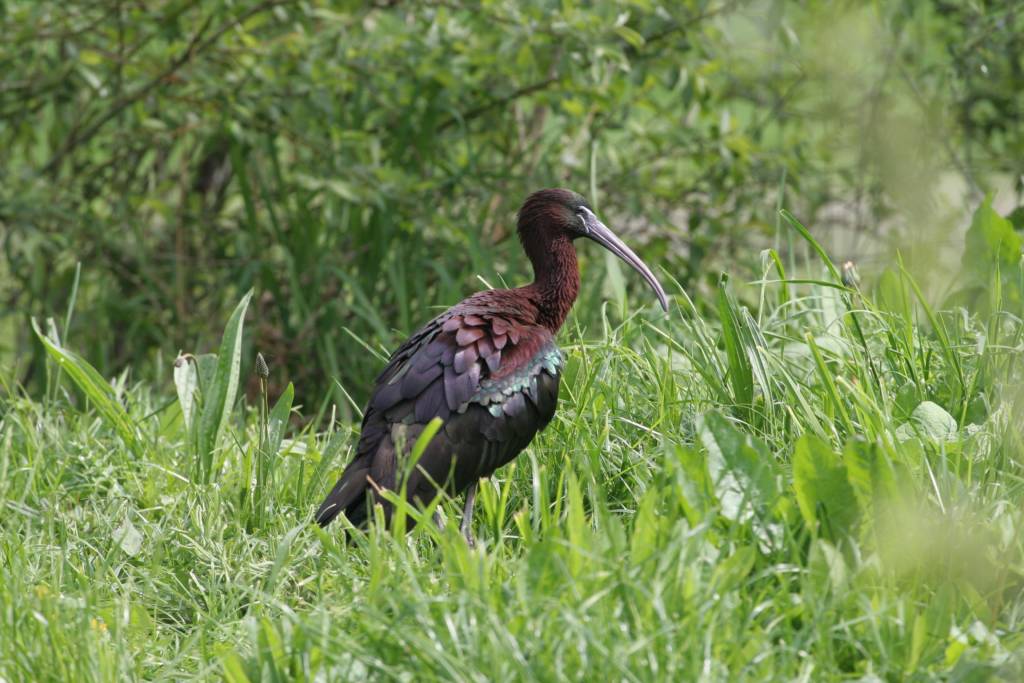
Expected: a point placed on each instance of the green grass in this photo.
(826, 486)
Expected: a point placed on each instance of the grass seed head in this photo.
(261, 366)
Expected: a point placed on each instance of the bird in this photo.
(488, 367)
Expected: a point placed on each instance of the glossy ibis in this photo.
(488, 367)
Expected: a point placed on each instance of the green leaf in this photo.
(281, 555)
(991, 264)
(731, 572)
(266, 455)
(95, 388)
(741, 372)
(271, 648)
(219, 395)
(128, 538)
(695, 491)
(806, 234)
(90, 57)
(827, 574)
(186, 381)
(917, 641)
(870, 475)
(576, 524)
(930, 422)
(826, 499)
(648, 526)
(990, 240)
(206, 367)
(893, 295)
(234, 668)
(630, 36)
(279, 420)
(828, 382)
(741, 468)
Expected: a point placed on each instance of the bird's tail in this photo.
(348, 496)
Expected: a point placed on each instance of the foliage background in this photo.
(359, 163)
(785, 478)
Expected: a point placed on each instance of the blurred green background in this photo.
(360, 164)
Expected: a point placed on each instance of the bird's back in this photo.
(488, 369)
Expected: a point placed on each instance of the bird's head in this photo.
(552, 215)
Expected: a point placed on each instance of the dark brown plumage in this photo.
(488, 367)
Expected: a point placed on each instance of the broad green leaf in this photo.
(695, 491)
(870, 474)
(931, 422)
(206, 366)
(939, 615)
(917, 640)
(741, 467)
(989, 241)
(991, 264)
(647, 527)
(128, 538)
(826, 499)
(827, 574)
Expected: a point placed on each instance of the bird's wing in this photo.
(469, 356)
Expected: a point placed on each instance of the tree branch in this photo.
(195, 47)
(551, 80)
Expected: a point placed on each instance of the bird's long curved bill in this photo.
(600, 233)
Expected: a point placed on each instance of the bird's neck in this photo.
(556, 281)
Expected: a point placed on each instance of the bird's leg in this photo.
(467, 515)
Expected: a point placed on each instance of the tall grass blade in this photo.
(950, 353)
(219, 396)
(95, 388)
(741, 372)
(279, 419)
(829, 383)
(806, 234)
(272, 429)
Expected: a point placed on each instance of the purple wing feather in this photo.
(465, 357)
(467, 335)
